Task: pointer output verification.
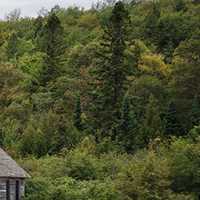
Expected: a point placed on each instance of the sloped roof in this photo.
(9, 168)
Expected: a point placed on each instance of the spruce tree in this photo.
(171, 122)
(54, 46)
(150, 30)
(195, 113)
(77, 115)
(127, 127)
(111, 82)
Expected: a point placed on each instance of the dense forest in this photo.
(103, 104)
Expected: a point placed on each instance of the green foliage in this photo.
(183, 159)
(81, 166)
(111, 75)
(38, 188)
(88, 21)
(81, 56)
(71, 189)
(12, 46)
(195, 113)
(40, 143)
(38, 137)
(17, 110)
(185, 83)
(11, 132)
(127, 128)
(77, 115)
(151, 176)
(171, 122)
(53, 46)
(180, 5)
(146, 178)
(66, 135)
(48, 134)
(150, 24)
(109, 145)
(9, 76)
(152, 125)
(25, 46)
(30, 64)
(42, 101)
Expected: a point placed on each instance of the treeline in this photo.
(156, 173)
(122, 77)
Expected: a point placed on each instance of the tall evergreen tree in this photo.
(195, 113)
(127, 128)
(111, 75)
(150, 22)
(54, 47)
(77, 115)
(171, 122)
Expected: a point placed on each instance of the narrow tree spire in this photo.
(172, 122)
(111, 76)
(195, 113)
(54, 46)
(127, 127)
(77, 115)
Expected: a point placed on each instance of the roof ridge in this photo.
(9, 168)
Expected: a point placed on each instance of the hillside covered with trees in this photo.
(103, 104)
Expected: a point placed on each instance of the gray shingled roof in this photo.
(9, 168)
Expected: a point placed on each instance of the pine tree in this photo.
(195, 113)
(111, 75)
(127, 127)
(77, 115)
(54, 47)
(172, 123)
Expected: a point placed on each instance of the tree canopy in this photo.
(103, 103)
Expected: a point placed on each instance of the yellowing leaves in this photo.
(89, 21)
(154, 65)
